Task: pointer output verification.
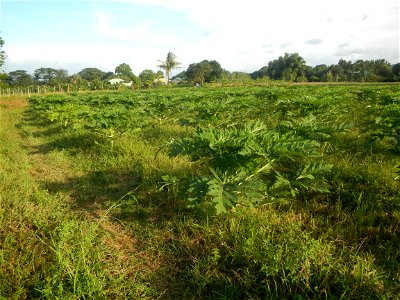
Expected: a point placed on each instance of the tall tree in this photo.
(337, 72)
(216, 71)
(124, 71)
(78, 81)
(91, 74)
(169, 64)
(291, 67)
(3, 80)
(198, 72)
(159, 74)
(396, 72)
(50, 75)
(2, 54)
(263, 72)
(19, 78)
(147, 77)
(382, 69)
(108, 76)
(318, 73)
(345, 71)
(205, 71)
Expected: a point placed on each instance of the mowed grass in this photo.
(49, 249)
(81, 218)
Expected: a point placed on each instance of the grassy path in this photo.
(52, 245)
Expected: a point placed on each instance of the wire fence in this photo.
(31, 90)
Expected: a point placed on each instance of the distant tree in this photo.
(382, 69)
(135, 80)
(337, 72)
(216, 71)
(344, 71)
(198, 72)
(290, 66)
(147, 78)
(19, 78)
(2, 54)
(288, 74)
(108, 76)
(78, 81)
(3, 80)
(182, 76)
(396, 72)
(169, 64)
(364, 70)
(238, 76)
(91, 74)
(123, 71)
(263, 72)
(43, 75)
(50, 76)
(306, 72)
(359, 71)
(287, 67)
(96, 84)
(159, 74)
(204, 71)
(328, 77)
(318, 73)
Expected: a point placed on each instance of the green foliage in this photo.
(91, 74)
(169, 64)
(268, 255)
(254, 158)
(48, 249)
(382, 120)
(290, 67)
(2, 54)
(123, 71)
(19, 78)
(50, 76)
(205, 71)
(264, 155)
(147, 78)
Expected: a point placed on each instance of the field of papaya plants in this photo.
(280, 191)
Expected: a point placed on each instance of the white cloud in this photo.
(76, 58)
(239, 26)
(241, 35)
(142, 33)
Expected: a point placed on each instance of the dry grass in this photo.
(13, 102)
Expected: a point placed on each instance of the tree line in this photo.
(290, 67)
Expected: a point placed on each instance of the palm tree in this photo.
(169, 64)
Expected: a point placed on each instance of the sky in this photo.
(241, 35)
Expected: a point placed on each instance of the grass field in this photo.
(267, 192)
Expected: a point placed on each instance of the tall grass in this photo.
(48, 250)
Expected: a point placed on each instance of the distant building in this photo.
(177, 80)
(127, 83)
(116, 81)
(161, 80)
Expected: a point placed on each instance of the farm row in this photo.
(254, 144)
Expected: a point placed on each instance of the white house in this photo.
(116, 81)
(127, 83)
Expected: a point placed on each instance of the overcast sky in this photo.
(241, 35)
